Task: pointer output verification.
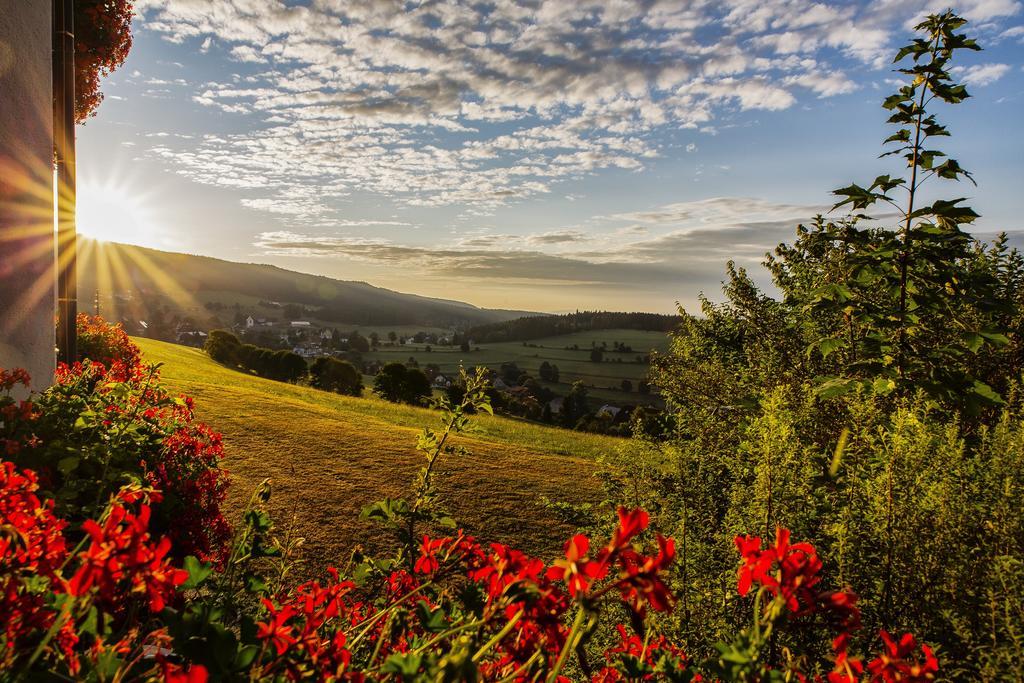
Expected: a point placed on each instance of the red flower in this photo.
(276, 631)
(640, 578)
(787, 570)
(631, 523)
(841, 609)
(428, 562)
(176, 673)
(898, 663)
(577, 570)
(504, 567)
(846, 669)
(32, 545)
(8, 378)
(122, 557)
(647, 652)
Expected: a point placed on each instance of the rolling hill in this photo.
(127, 277)
(329, 455)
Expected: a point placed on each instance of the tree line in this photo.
(537, 327)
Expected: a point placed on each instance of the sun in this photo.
(109, 211)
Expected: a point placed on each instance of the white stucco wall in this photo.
(27, 260)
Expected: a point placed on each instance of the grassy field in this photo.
(330, 455)
(605, 378)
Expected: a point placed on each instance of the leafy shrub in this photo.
(798, 413)
(223, 347)
(99, 428)
(283, 365)
(105, 343)
(400, 384)
(331, 374)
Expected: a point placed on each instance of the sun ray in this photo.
(162, 281)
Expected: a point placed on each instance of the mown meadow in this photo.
(328, 455)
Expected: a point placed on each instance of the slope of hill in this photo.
(187, 281)
(329, 455)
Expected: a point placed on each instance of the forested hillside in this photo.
(123, 274)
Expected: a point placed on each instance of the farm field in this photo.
(329, 455)
(574, 364)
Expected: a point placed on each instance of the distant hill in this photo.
(540, 326)
(186, 283)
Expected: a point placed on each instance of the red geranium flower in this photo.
(276, 630)
(899, 663)
(640, 577)
(577, 570)
(122, 556)
(784, 569)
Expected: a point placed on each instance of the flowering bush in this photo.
(105, 343)
(107, 422)
(103, 37)
(113, 591)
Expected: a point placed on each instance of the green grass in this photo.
(604, 378)
(330, 455)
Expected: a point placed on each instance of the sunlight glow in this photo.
(110, 211)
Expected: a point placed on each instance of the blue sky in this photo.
(534, 154)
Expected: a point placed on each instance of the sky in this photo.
(543, 155)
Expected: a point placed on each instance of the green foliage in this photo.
(574, 405)
(871, 409)
(331, 374)
(282, 365)
(914, 307)
(223, 347)
(400, 384)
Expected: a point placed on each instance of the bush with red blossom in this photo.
(108, 421)
(105, 343)
(103, 38)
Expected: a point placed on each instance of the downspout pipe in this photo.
(64, 157)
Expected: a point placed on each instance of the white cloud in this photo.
(982, 74)
(482, 104)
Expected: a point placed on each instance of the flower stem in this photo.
(570, 644)
(498, 636)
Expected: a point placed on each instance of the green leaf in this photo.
(835, 387)
(827, 346)
(405, 665)
(68, 465)
(996, 338)
(197, 572)
(883, 386)
(432, 620)
(245, 657)
(987, 393)
(973, 341)
(255, 584)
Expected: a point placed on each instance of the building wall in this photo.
(27, 243)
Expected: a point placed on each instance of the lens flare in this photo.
(109, 211)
